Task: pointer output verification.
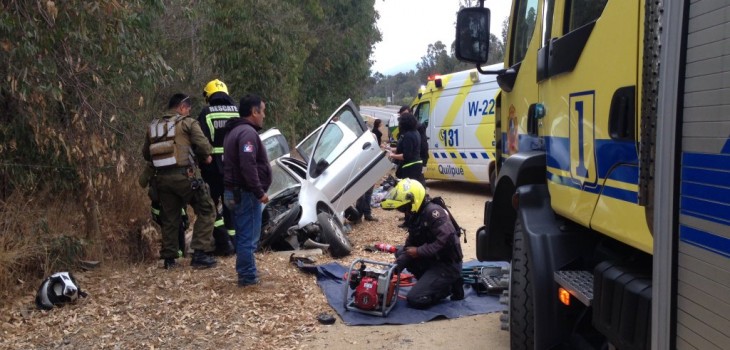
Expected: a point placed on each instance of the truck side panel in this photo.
(703, 260)
(592, 162)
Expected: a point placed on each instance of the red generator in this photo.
(371, 287)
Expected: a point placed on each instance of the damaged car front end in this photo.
(341, 161)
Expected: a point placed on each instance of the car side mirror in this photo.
(321, 166)
(472, 35)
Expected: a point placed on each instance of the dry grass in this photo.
(134, 303)
(38, 238)
(15, 250)
(144, 306)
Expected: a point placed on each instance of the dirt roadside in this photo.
(146, 307)
(473, 332)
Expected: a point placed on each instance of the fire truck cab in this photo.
(611, 199)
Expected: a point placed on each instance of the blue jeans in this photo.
(247, 220)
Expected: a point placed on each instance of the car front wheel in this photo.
(333, 233)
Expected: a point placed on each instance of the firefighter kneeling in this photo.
(432, 252)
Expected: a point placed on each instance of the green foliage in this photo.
(62, 252)
(82, 80)
(69, 67)
(259, 48)
(83, 77)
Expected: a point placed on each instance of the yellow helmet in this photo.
(214, 86)
(407, 192)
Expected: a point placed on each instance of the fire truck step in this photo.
(578, 283)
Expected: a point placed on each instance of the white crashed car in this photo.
(341, 161)
(275, 143)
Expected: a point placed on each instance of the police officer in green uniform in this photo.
(144, 181)
(172, 144)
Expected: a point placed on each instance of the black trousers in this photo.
(216, 192)
(414, 172)
(434, 280)
(221, 234)
(363, 204)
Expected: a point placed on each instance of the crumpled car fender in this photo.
(309, 196)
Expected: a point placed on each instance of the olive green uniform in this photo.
(181, 184)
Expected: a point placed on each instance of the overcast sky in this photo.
(409, 26)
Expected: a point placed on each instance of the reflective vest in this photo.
(216, 120)
(168, 146)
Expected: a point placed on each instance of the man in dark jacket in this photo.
(432, 251)
(424, 143)
(212, 121)
(246, 177)
(408, 150)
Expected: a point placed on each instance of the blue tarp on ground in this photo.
(330, 280)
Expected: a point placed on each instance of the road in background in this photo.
(382, 113)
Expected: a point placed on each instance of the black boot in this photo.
(370, 217)
(230, 248)
(202, 260)
(457, 289)
(170, 263)
(223, 245)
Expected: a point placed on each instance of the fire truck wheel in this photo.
(333, 233)
(522, 329)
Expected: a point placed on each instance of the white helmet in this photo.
(59, 288)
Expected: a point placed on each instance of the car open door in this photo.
(346, 160)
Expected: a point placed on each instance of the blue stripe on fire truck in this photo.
(461, 155)
(615, 160)
(705, 240)
(705, 187)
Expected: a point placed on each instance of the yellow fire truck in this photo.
(612, 197)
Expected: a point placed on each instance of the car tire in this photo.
(333, 233)
(273, 235)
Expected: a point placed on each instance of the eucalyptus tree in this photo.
(75, 76)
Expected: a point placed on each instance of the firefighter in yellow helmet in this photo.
(432, 251)
(172, 144)
(212, 119)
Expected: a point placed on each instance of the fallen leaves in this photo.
(145, 306)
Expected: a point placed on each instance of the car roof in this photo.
(269, 133)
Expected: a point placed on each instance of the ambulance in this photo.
(458, 110)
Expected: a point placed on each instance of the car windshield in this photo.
(280, 180)
(329, 141)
